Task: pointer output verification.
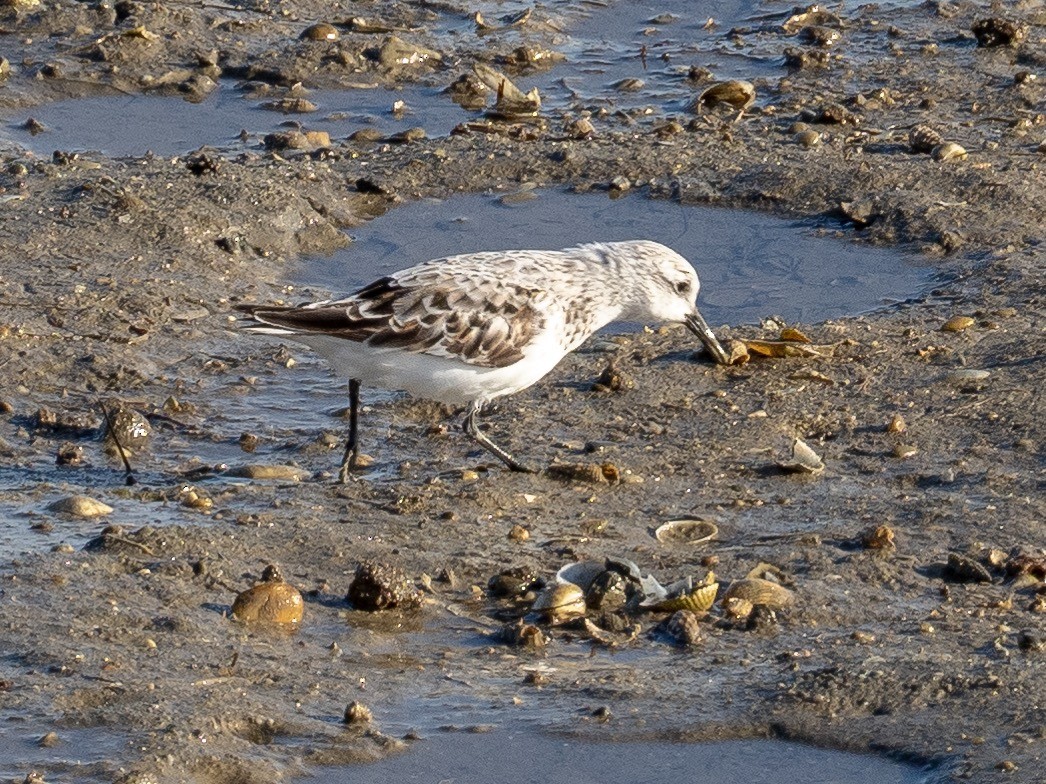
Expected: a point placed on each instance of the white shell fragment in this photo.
(804, 459)
(80, 506)
(686, 530)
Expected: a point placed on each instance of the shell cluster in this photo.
(603, 600)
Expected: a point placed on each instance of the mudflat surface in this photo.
(118, 279)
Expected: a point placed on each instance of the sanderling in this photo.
(471, 328)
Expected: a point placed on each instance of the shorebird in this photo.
(471, 328)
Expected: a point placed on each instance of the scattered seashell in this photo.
(949, 151)
(799, 58)
(379, 586)
(804, 459)
(737, 608)
(560, 603)
(904, 451)
(270, 601)
(699, 600)
(794, 335)
(923, 138)
(284, 473)
(878, 537)
(957, 324)
(812, 15)
(511, 101)
(69, 454)
(140, 32)
(321, 31)
(819, 35)
(407, 136)
(514, 582)
(960, 569)
(581, 128)
(523, 635)
(357, 713)
(518, 533)
(785, 348)
(735, 93)
(684, 627)
(686, 530)
(504, 23)
(296, 140)
(194, 500)
(808, 138)
(896, 424)
(736, 352)
(995, 31)
(761, 593)
(80, 506)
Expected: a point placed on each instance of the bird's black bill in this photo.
(704, 333)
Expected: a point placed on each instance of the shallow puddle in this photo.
(751, 265)
(531, 758)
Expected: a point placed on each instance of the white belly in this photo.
(442, 379)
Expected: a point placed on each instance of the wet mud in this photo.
(118, 281)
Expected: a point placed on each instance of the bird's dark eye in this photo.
(683, 287)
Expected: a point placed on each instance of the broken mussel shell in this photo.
(804, 459)
(271, 601)
(686, 530)
(683, 628)
(560, 603)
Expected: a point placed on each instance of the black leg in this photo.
(348, 461)
(470, 427)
